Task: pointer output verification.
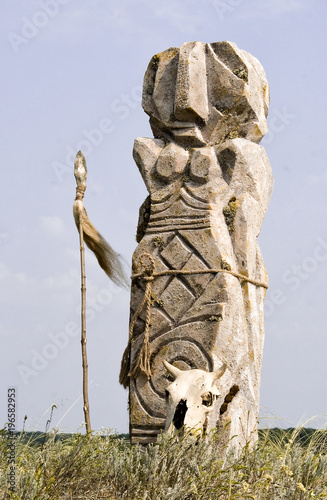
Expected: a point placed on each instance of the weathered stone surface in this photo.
(210, 184)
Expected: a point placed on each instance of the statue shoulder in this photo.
(146, 151)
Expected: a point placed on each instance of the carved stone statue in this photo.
(199, 280)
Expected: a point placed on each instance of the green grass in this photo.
(286, 464)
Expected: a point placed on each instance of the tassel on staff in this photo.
(106, 256)
(107, 259)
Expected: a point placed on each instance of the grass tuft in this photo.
(289, 463)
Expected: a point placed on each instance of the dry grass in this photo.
(289, 464)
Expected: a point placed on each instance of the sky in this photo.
(71, 78)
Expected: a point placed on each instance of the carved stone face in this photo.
(206, 93)
(190, 398)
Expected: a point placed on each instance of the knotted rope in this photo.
(80, 191)
(142, 362)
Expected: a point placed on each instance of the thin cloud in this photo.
(52, 225)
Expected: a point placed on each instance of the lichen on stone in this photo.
(156, 302)
(155, 63)
(157, 241)
(233, 135)
(224, 265)
(229, 213)
(241, 73)
(216, 317)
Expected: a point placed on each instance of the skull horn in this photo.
(173, 370)
(220, 372)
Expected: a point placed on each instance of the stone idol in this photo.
(199, 281)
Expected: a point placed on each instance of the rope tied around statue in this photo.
(142, 362)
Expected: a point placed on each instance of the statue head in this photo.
(190, 398)
(202, 94)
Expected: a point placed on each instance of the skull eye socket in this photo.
(207, 399)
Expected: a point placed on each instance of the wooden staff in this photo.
(107, 259)
(80, 172)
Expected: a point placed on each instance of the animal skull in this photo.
(190, 398)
